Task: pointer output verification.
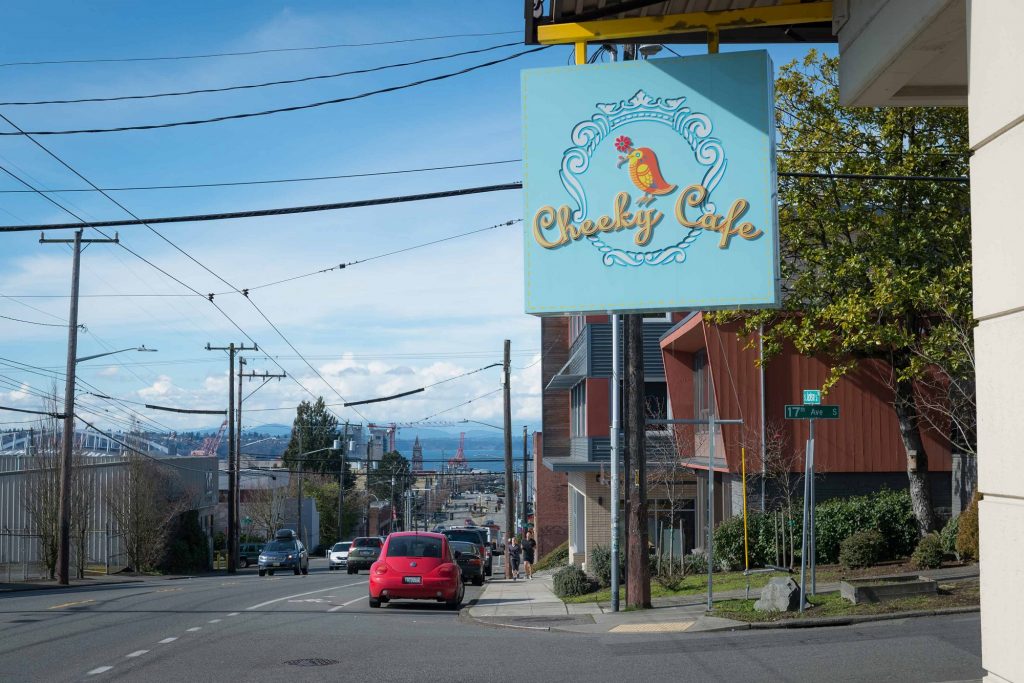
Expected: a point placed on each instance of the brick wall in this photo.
(550, 512)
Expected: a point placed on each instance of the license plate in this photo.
(412, 579)
(277, 564)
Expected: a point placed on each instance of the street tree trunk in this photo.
(638, 582)
(917, 457)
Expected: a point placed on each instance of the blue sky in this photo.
(382, 327)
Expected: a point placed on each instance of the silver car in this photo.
(337, 556)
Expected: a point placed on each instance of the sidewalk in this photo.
(532, 604)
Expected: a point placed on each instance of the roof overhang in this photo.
(903, 53)
(563, 379)
(686, 337)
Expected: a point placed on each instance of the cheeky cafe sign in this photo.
(650, 186)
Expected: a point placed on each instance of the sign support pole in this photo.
(614, 496)
(711, 503)
(813, 530)
(803, 530)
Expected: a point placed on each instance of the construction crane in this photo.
(459, 461)
(211, 443)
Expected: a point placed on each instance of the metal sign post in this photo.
(811, 410)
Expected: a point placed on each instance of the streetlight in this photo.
(483, 423)
(111, 353)
(64, 502)
(298, 463)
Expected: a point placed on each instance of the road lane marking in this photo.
(168, 590)
(299, 595)
(193, 629)
(99, 670)
(346, 604)
(168, 640)
(71, 604)
(233, 614)
(137, 653)
(213, 621)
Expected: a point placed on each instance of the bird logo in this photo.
(643, 170)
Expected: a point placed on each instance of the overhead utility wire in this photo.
(242, 183)
(36, 322)
(342, 266)
(464, 403)
(212, 302)
(270, 212)
(266, 84)
(247, 53)
(281, 110)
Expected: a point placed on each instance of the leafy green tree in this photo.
(314, 429)
(876, 270)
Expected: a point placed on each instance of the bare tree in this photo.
(783, 473)
(144, 508)
(265, 506)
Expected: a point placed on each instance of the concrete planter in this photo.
(881, 589)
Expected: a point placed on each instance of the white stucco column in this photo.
(996, 111)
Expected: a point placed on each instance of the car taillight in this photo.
(475, 562)
(380, 569)
(446, 569)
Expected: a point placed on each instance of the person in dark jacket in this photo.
(515, 553)
(529, 554)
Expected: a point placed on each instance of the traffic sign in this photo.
(812, 412)
(812, 397)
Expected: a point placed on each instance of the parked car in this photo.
(467, 555)
(363, 552)
(416, 565)
(477, 536)
(249, 553)
(284, 552)
(337, 556)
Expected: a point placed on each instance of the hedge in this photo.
(888, 512)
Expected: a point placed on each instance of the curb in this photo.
(855, 619)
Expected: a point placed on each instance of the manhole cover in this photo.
(313, 661)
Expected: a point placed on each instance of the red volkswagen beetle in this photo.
(416, 565)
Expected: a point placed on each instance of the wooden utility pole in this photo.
(67, 442)
(638, 588)
(266, 377)
(233, 462)
(509, 491)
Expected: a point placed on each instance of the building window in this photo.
(576, 325)
(577, 521)
(578, 410)
(656, 402)
(703, 388)
(657, 317)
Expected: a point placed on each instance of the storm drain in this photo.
(313, 661)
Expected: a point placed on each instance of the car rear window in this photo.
(340, 547)
(367, 543)
(414, 546)
(463, 547)
(280, 546)
(466, 535)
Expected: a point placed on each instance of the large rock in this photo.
(780, 595)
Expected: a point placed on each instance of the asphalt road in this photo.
(251, 628)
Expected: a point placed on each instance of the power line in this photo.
(59, 416)
(281, 110)
(36, 322)
(464, 403)
(241, 183)
(250, 86)
(265, 212)
(246, 53)
(342, 266)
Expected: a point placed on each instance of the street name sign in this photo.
(812, 397)
(812, 412)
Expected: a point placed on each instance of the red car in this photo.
(416, 565)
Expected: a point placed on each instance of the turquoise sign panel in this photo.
(650, 186)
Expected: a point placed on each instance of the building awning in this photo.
(564, 380)
(718, 464)
(570, 464)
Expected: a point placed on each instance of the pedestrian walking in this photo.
(529, 554)
(515, 552)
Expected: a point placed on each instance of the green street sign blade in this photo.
(812, 412)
